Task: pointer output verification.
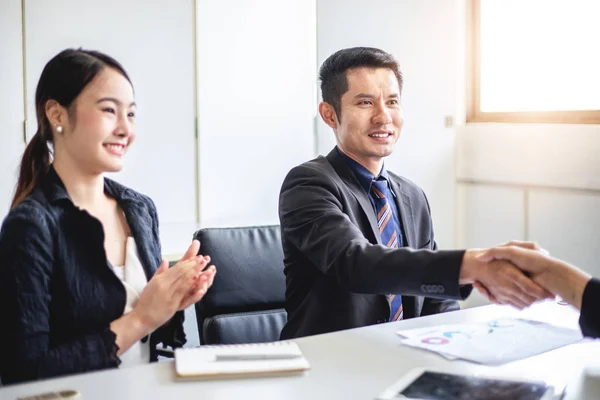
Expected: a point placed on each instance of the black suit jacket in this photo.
(589, 319)
(338, 272)
(58, 294)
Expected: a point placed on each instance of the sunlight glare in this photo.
(540, 55)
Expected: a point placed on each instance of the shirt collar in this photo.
(365, 178)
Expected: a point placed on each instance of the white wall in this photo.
(11, 100)
(488, 215)
(568, 224)
(425, 37)
(256, 103)
(557, 155)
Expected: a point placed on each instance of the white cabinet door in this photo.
(11, 100)
(489, 215)
(567, 224)
(256, 103)
(153, 39)
(425, 37)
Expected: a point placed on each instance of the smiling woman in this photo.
(98, 129)
(82, 284)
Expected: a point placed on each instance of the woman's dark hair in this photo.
(332, 74)
(62, 80)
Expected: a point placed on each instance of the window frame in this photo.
(474, 113)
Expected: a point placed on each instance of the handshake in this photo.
(521, 273)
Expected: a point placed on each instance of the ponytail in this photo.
(34, 167)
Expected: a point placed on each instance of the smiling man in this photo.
(358, 240)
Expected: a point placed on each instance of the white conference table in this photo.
(353, 364)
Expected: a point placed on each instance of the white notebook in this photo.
(240, 360)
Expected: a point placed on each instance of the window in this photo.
(534, 61)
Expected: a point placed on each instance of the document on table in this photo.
(491, 342)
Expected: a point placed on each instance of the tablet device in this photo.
(426, 384)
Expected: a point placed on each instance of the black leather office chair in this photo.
(245, 303)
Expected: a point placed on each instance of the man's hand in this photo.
(516, 243)
(502, 281)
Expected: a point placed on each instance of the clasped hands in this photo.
(504, 276)
(174, 289)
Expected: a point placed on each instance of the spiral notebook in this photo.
(240, 360)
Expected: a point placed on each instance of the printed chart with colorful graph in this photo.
(491, 342)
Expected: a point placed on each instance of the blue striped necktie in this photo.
(389, 236)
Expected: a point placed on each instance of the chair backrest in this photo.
(245, 303)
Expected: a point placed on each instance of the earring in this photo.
(59, 129)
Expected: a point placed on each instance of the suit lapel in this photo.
(406, 218)
(346, 174)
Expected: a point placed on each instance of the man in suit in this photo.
(358, 240)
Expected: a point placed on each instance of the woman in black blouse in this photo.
(558, 277)
(62, 305)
